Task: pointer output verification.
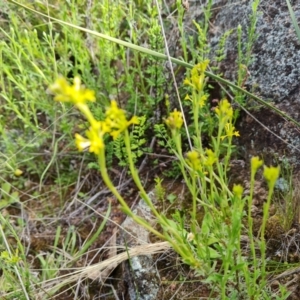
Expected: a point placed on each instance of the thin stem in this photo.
(125, 207)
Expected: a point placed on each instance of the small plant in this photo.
(137, 143)
(37, 141)
(7, 197)
(245, 55)
(217, 236)
(15, 280)
(286, 203)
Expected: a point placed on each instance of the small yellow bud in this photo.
(238, 190)
(18, 172)
(224, 110)
(202, 100)
(256, 163)
(271, 174)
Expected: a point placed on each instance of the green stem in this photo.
(251, 288)
(136, 178)
(266, 209)
(125, 207)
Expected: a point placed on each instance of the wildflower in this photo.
(116, 120)
(187, 97)
(10, 258)
(238, 190)
(202, 100)
(193, 160)
(256, 163)
(94, 140)
(271, 174)
(224, 110)
(81, 142)
(174, 121)
(197, 77)
(229, 129)
(211, 157)
(76, 93)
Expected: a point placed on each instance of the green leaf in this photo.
(171, 198)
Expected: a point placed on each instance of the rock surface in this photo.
(140, 274)
(273, 71)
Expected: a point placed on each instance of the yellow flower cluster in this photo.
(238, 190)
(211, 157)
(116, 120)
(197, 82)
(193, 159)
(271, 174)
(230, 131)
(114, 123)
(224, 112)
(175, 120)
(197, 78)
(75, 93)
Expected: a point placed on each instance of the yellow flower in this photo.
(116, 121)
(238, 190)
(202, 100)
(9, 257)
(256, 163)
(211, 157)
(187, 82)
(174, 121)
(94, 140)
(201, 67)
(75, 93)
(81, 142)
(224, 110)
(271, 174)
(229, 128)
(197, 77)
(193, 160)
(187, 97)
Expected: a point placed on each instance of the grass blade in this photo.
(293, 17)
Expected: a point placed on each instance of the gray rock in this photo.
(140, 273)
(274, 69)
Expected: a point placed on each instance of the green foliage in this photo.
(7, 197)
(163, 141)
(37, 136)
(245, 51)
(220, 53)
(286, 201)
(159, 190)
(137, 144)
